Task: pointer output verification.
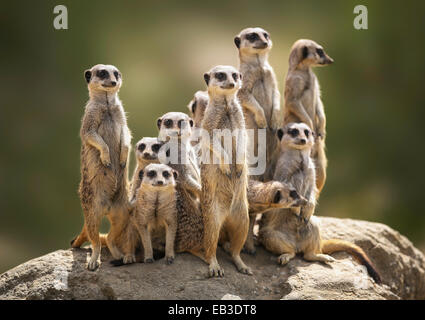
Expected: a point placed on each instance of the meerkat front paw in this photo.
(261, 121)
(225, 169)
(93, 265)
(245, 270)
(106, 159)
(284, 258)
(214, 270)
(129, 258)
(169, 260)
(327, 258)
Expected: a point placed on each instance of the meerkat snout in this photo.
(174, 124)
(308, 53)
(103, 78)
(223, 79)
(148, 148)
(158, 175)
(296, 136)
(253, 40)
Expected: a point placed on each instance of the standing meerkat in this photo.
(147, 150)
(287, 232)
(224, 185)
(104, 153)
(302, 98)
(175, 129)
(259, 95)
(197, 107)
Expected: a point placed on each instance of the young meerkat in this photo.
(259, 95)
(175, 129)
(197, 107)
(156, 208)
(263, 197)
(104, 154)
(302, 98)
(147, 150)
(224, 201)
(287, 232)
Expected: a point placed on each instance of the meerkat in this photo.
(287, 232)
(197, 107)
(224, 201)
(146, 151)
(263, 197)
(156, 208)
(302, 98)
(104, 154)
(259, 95)
(175, 129)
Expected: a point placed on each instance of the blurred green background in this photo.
(373, 95)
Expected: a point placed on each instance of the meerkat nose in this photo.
(160, 183)
(146, 154)
(232, 85)
(113, 83)
(303, 141)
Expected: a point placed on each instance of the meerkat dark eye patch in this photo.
(168, 123)
(151, 174)
(175, 174)
(141, 174)
(266, 35)
(293, 132)
(277, 197)
(235, 76)
(306, 132)
(102, 74)
(320, 52)
(141, 147)
(220, 76)
(251, 37)
(294, 195)
(167, 153)
(305, 52)
(193, 106)
(166, 174)
(180, 123)
(156, 147)
(280, 134)
(116, 74)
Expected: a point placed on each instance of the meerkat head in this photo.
(272, 195)
(223, 80)
(174, 124)
(158, 176)
(197, 107)
(308, 53)
(147, 149)
(253, 41)
(296, 136)
(103, 77)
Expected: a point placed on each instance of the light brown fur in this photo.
(104, 154)
(302, 98)
(197, 107)
(224, 186)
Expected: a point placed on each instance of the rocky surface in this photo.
(62, 274)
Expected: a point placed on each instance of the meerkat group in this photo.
(178, 201)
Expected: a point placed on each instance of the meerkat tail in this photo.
(334, 245)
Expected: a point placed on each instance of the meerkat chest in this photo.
(110, 122)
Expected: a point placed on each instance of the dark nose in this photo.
(146, 154)
(294, 195)
(113, 83)
(303, 141)
(160, 183)
(232, 85)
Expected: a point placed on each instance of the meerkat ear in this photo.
(158, 123)
(141, 174)
(237, 42)
(280, 134)
(87, 75)
(305, 52)
(191, 122)
(240, 75)
(207, 78)
(277, 197)
(193, 108)
(175, 174)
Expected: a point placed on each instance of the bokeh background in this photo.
(373, 95)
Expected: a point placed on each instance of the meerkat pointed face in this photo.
(197, 107)
(223, 80)
(285, 196)
(103, 77)
(147, 149)
(296, 136)
(253, 41)
(174, 124)
(158, 175)
(308, 53)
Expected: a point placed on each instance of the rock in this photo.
(62, 274)
(229, 296)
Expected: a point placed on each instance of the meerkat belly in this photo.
(263, 94)
(110, 131)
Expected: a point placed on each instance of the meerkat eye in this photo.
(251, 37)
(116, 74)
(235, 76)
(102, 74)
(151, 174)
(166, 174)
(168, 123)
(293, 132)
(320, 52)
(220, 76)
(179, 123)
(141, 147)
(293, 194)
(306, 132)
(156, 147)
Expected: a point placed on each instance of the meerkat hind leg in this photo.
(79, 240)
(249, 246)
(276, 242)
(92, 228)
(237, 237)
(311, 256)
